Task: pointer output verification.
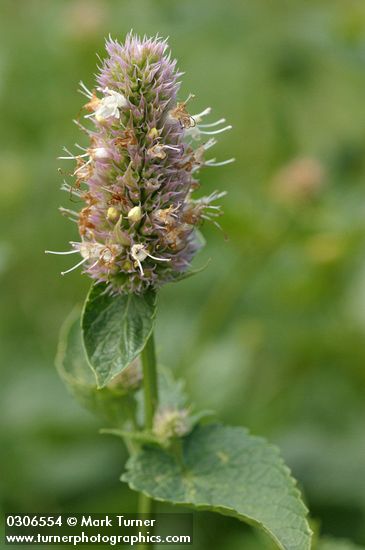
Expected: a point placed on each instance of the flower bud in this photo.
(153, 133)
(135, 214)
(112, 214)
(169, 423)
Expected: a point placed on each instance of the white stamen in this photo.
(222, 163)
(170, 147)
(216, 195)
(159, 259)
(212, 207)
(71, 156)
(84, 93)
(67, 151)
(68, 211)
(85, 90)
(81, 148)
(74, 267)
(216, 131)
(140, 266)
(213, 214)
(67, 187)
(139, 253)
(80, 126)
(220, 121)
(61, 253)
(94, 264)
(210, 143)
(209, 219)
(81, 167)
(198, 117)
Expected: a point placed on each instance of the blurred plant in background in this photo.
(278, 327)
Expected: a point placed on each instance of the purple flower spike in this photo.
(138, 227)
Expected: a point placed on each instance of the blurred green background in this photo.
(271, 334)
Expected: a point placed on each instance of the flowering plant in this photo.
(139, 229)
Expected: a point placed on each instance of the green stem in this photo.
(150, 404)
(144, 504)
(145, 507)
(149, 381)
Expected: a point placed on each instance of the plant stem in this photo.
(150, 404)
(144, 504)
(149, 381)
(145, 507)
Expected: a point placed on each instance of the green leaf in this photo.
(328, 543)
(115, 330)
(171, 397)
(226, 470)
(113, 403)
(171, 394)
(171, 390)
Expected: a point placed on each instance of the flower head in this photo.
(171, 422)
(138, 227)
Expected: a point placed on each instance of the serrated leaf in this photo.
(226, 470)
(328, 543)
(110, 403)
(115, 330)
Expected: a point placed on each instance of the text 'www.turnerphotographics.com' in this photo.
(109, 529)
